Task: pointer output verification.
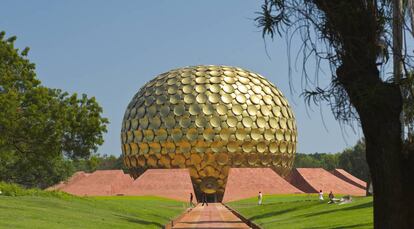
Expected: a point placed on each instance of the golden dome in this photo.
(208, 119)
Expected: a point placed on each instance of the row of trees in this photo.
(42, 130)
(351, 159)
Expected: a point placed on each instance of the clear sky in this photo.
(109, 49)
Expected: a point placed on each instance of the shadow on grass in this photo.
(359, 206)
(280, 212)
(139, 221)
(341, 227)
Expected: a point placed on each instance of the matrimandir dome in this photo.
(208, 119)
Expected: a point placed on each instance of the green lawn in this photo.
(93, 212)
(306, 211)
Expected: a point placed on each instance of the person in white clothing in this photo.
(260, 198)
(320, 195)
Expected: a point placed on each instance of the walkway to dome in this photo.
(215, 215)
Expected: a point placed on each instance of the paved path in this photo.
(215, 215)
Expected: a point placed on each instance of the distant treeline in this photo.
(351, 159)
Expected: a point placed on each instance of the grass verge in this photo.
(306, 211)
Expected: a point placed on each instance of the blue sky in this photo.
(109, 49)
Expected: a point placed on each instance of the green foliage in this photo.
(17, 190)
(317, 160)
(78, 212)
(41, 127)
(306, 211)
(98, 162)
(353, 161)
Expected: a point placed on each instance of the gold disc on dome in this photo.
(283, 147)
(252, 110)
(261, 147)
(216, 147)
(200, 121)
(208, 109)
(215, 88)
(221, 109)
(194, 109)
(208, 134)
(238, 159)
(215, 121)
(228, 88)
(215, 79)
(247, 122)
(187, 89)
(222, 158)
(229, 73)
(155, 147)
(189, 98)
(169, 147)
(241, 98)
(185, 122)
(176, 134)
(279, 134)
(214, 73)
(184, 146)
(269, 135)
(148, 135)
(268, 99)
(226, 98)
(134, 148)
(200, 80)
(241, 134)
(143, 147)
(256, 134)
(282, 123)
(192, 134)
(143, 123)
(225, 134)
(174, 99)
(200, 88)
(155, 122)
(261, 122)
(273, 147)
(186, 81)
(257, 89)
(247, 147)
(231, 121)
(242, 88)
(232, 146)
(265, 110)
(214, 98)
(237, 109)
(141, 160)
(229, 80)
(273, 123)
(169, 122)
(252, 159)
(164, 111)
(201, 98)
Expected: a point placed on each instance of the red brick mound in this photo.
(75, 177)
(170, 183)
(98, 183)
(344, 175)
(311, 180)
(247, 182)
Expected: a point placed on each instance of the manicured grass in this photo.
(40, 211)
(306, 211)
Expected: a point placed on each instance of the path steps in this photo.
(215, 215)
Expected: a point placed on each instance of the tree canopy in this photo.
(40, 127)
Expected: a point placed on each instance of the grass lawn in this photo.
(91, 212)
(306, 211)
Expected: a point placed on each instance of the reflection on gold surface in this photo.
(208, 119)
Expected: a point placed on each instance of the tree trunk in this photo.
(379, 105)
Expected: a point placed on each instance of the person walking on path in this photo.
(320, 195)
(204, 199)
(260, 198)
(191, 200)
